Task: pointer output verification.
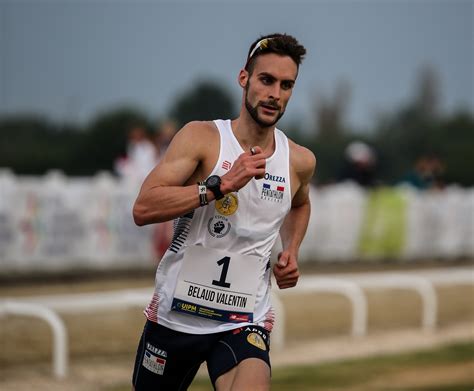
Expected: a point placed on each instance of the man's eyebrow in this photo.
(266, 74)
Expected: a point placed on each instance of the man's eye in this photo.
(287, 85)
(266, 80)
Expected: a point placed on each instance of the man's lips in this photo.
(269, 107)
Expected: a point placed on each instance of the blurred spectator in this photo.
(140, 157)
(164, 135)
(427, 173)
(359, 164)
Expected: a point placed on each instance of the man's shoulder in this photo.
(200, 126)
(197, 132)
(301, 158)
(196, 139)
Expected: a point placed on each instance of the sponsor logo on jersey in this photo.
(226, 165)
(218, 226)
(274, 178)
(228, 205)
(256, 340)
(272, 192)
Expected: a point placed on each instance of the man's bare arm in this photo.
(295, 224)
(164, 194)
(170, 190)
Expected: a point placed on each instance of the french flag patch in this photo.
(272, 193)
(153, 363)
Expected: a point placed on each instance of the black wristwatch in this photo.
(213, 183)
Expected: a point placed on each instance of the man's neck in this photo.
(250, 134)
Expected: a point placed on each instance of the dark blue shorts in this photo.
(168, 360)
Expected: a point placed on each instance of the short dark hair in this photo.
(282, 44)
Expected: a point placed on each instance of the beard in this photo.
(253, 110)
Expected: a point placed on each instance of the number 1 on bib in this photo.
(222, 283)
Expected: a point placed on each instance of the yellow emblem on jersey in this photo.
(256, 340)
(228, 205)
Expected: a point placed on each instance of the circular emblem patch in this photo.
(218, 226)
(228, 205)
(256, 340)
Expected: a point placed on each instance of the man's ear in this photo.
(243, 78)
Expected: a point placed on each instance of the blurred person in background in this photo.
(164, 135)
(141, 155)
(427, 173)
(359, 164)
(233, 186)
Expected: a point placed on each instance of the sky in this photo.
(72, 59)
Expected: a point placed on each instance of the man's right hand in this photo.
(246, 167)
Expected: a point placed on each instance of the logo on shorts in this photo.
(154, 359)
(228, 205)
(256, 340)
(218, 226)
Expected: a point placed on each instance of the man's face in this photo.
(269, 87)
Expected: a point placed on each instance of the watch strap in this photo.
(217, 192)
(202, 190)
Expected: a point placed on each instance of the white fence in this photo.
(58, 224)
(349, 285)
(60, 341)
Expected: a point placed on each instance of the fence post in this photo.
(349, 289)
(60, 345)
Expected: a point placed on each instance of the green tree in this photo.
(331, 135)
(207, 100)
(420, 128)
(105, 140)
(32, 145)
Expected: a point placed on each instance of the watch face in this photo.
(212, 181)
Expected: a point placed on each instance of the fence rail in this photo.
(350, 285)
(60, 341)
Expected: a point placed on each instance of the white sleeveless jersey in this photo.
(245, 222)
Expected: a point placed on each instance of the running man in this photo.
(232, 186)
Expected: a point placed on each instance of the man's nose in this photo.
(275, 93)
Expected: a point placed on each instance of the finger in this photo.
(255, 150)
(288, 277)
(287, 283)
(282, 278)
(286, 286)
(260, 165)
(283, 259)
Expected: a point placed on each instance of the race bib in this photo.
(218, 285)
